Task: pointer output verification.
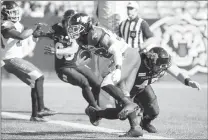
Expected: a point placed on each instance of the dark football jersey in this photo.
(62, 61)
(95, 38)
(145, 76)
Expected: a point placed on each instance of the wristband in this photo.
(186, 81)
(118, 67)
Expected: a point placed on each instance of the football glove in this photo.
(38, 31)
(116, 75)
(49, 50)
(194, 84)
(83, 57)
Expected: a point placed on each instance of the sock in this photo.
(39, 91)
(108, 113)
(133, 119)
(96, 92)
(34, 102)
(116, 93)
(88, 95)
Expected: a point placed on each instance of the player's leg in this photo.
(37, 77)
(110, 87)
(20, 69)
(129, 71)
(72, 76)
(34, 116)
(134, 120)
(107, 113)
(93, 80)
(148, 100)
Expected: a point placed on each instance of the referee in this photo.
(134, 30)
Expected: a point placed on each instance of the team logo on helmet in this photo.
(185, 39)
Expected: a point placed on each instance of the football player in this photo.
(70, 61)
(12, 35)
(154, 64)
(125, 59)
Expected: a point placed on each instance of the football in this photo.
(84, 53)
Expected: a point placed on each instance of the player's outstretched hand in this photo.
(40, 25)
(194, 84)
(49, 50)
(38, 29)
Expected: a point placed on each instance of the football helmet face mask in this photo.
(157, 60)
(77, 25)
(11, 11)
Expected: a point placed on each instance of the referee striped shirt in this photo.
(134, 31)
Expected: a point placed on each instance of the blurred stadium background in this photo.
(166, 19)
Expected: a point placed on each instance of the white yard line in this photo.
(57, 84)
(79, 126)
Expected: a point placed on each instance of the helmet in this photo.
(157, 60)
(11, 11)
(67, 14)
(78, 24)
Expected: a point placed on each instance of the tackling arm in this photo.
(12, 33)
(182, 76)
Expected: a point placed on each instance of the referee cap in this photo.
(133, 4)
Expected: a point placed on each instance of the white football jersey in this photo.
(12, 47)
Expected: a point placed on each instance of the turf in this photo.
(183, 112)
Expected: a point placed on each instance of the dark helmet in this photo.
(67, 14)
(11, 11)
(78, 24)
(157, 60)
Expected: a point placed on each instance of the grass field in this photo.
(183, 113)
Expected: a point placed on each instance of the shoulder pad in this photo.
(94, 36)
(7, 25)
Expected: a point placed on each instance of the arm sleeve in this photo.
(69, 50)
(113, 47)
(146, 30)
(117, 55)
(178, 73)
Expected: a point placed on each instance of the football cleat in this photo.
(92, 113)
(38, 119)
(129, 108)
(133, 132)
(46, 112)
